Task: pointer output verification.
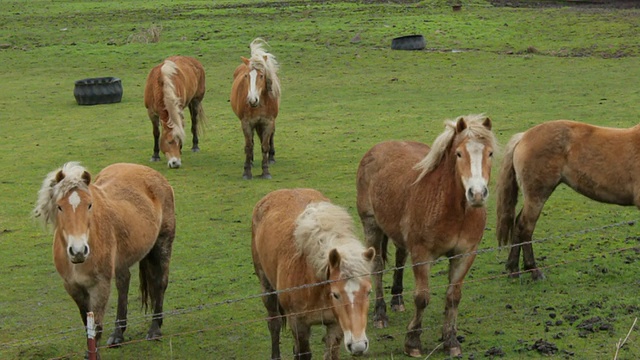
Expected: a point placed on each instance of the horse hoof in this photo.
(514, 275)
(195, 149)
(114, 341)
(247, 177)
(398, 308)
(537, 275)
(413, 352)
(267, 176)
(154, 159)
(455, 352)
(380, 324)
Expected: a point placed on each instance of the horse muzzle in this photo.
(356, 347)
(78, 253)
(174, 163)
(477, 197)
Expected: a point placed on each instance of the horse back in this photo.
(273, 245)
(189, 80)
(384, 179)
(139, 204)
(576, 154)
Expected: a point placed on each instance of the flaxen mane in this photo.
(323, 226)
(474, 130)
(52, 191)
(269, 66)
(171, 100)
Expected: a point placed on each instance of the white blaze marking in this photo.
(74, 200)
(351, 288)
(253, 93)
(475, 151)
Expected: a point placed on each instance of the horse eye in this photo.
(59, 208)
(90, 206)
(491, 154)
(172, 142)
(335, 295)
(458, 154)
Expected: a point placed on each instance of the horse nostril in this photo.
(349, 347)
(86, 250)
(485, 192)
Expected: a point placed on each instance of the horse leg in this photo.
(458, 268)
(523, 234)
(247, 129)
(332, 341)
(122, 285)
(274, 321)
(374, 237)
(301, 333)
(195, 107)
(421, 297)
(513, 261)
(272, 149)
(154, 279)
(155, 122)
(397, 302)
(265, 131)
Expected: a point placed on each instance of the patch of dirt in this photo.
(607, 4)
(493, 352)
(544, 347)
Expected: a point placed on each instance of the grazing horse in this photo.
(176, 83)
(102, 228)
(430, 203)
(312, 270)
(598, 162)
(255, 99)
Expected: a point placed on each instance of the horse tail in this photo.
(507, 194)
(171, 99)
(146, 275)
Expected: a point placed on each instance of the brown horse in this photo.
(102, 228)
(312, 269)
(431, 203)
(597, 162)
(255, 99)
(176, 83)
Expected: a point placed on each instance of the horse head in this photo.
(473, 147)
(171, 141)
(349, 297)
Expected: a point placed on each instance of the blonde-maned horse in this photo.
(178, 82)
(598, 162)
(430, 203)
(312, 270)
(102, 228)
(255, 99)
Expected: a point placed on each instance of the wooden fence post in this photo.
(91, 337)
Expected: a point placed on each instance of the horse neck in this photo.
(442, 183)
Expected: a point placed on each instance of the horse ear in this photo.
(334, 261)
(369, 254)
(59, 176)
(487, 123)
(245, 60)
(86, 177)
(460, 125)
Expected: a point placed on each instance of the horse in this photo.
(312, 270)
(255, 99)
(431, 203)
(102, 228)
(176, 83)
(597, 162)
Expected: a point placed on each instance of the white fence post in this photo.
(91, 337)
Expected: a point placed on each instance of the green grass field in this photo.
(344, 90)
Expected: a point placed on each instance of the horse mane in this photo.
(474, 130)
(269, 66)
(323, 226)
(171, 100)
(52, 191)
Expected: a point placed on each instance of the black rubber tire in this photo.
(409, 42)
(93, 91)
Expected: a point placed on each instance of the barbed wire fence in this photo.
(69, 333)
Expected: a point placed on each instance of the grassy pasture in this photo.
(341, 95)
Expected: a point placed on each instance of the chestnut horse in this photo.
(176, 83)
(102, 228)
(430, 203)
(255, 99)
(598, 162)
(312, 269)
